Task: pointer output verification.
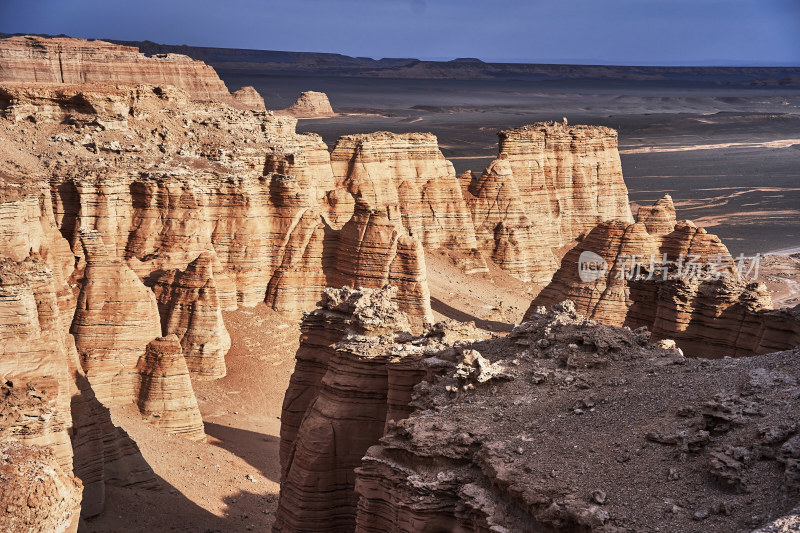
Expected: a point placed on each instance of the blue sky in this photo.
(641, 32)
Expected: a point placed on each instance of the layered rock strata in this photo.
(269, 208)
(190, 309)
(470, 440)
(408, 180)
(335, 406)
(59, 410)
(31, 59)
(115, 318)
(372, 251)
(166, 398)
(715, 317)
(248, 98)
(550, 184)
(622, 251)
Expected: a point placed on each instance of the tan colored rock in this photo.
(407, 176)
(33, 349)
(166, 398)
(606, 297)
(345, 410)
(116, 317)
(306, 265)
(310, 104)
(36, 349)
(189, 308)
(28, 59)
(703, 306)
(265, 200)
(550, 184)
(248, 98)
(374, 251)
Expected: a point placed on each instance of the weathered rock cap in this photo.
(373, 310)
(535, 131)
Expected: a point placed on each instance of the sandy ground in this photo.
(230, 482)
(495, 301)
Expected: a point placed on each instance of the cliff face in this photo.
(72, 61)
(38, 491)
(38, 350)
(116, 316)
(550, 184)
(244, 186)
(335, 406)
(406, 177)
(716, 318)
(131, 216)
(189, 308)
(355, 370)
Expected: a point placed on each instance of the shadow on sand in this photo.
(455, 314)
(258, 449)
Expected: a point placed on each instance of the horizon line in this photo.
(720, 63)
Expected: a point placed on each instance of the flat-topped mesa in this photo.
(310, 104)
(407, 176)
(189, 308)
(31, 59)
(550, 184)
(165, 397)
(335, 406)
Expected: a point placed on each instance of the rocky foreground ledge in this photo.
(563, 425)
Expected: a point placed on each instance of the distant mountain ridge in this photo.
(272, 62)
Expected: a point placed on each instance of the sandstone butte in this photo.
(139, 199)
(310, 104)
